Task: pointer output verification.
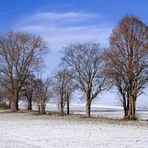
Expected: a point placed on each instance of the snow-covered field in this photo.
(101, 110)
(25, 130)
(97, 110)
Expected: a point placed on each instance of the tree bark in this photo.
(14, 106)
(10, 102)
(14, 103)
(29, 104)
(68, 106)
(17, 106)
(62, 106)
(88, 108)
(132, 108)
(39, 110)
(88, 103)
(125, 106)
(42, 109)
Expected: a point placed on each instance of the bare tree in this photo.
(69, 90)
(85, 62)
(64, 87)
(20, 52)
(127, 61)
(28, 90)
(43, 93)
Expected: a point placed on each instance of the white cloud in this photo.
(51, 15)
(58, 29)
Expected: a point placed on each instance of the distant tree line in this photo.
(84, 67)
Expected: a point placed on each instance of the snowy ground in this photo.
(25, 130)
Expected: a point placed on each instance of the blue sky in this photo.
(62, 21)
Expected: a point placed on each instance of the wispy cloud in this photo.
(68, 15)
(58, 29)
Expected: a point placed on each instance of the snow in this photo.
(96, 110)
(27, 130)
(101, 110)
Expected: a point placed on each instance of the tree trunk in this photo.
(29, 104)
(132, 108)
(125, 106)
(39, 107)
(88, 103)
(17, 107)
(10, 101)
(42, 109)
(125, 112)
(14, 103)
(88, 108)
(67, 105)
(62, 106)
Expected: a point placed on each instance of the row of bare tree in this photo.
(84, 67)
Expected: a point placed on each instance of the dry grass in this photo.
(3, 106)
(73, 116)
